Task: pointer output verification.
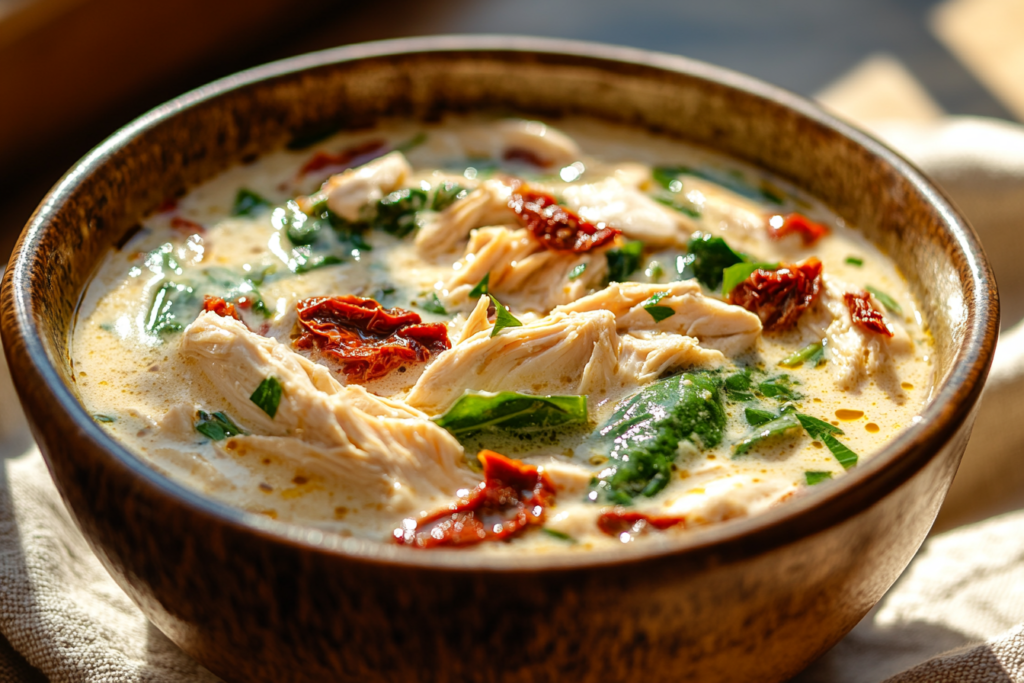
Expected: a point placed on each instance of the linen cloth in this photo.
(63, 619)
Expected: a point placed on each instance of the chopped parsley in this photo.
(504, 319)
(216, 426)
(657, 312)
(482, 287)
(268, 396)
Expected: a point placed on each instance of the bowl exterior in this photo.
(256, 600)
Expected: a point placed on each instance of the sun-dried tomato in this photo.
(343, 159)
(186, 226)
(632, 523)
(809, 231)
(864, 315)
(222, 308)
(556, 227)
(368, 340)
(513, 496)
(779, 297)
(527, 155)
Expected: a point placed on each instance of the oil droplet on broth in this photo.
(907, 385)
(872, 427)
(849, 415)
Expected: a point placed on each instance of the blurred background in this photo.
(916, 72)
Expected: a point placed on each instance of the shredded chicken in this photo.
(563, 353)
(318, 418)
(717, 325)
(639, 217)
(348, 192)
(486, 205)
(549, 146)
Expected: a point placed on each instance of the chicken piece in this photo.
(348, 192)
(610, 202)
(409, 454)
(576, 353)
(728, 497)
(522, 273)
(741, 221)
(533, 141)
(717, 325)
(853, 353)
(486, 205)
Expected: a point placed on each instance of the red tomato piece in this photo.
(864, 315)
(779, 297)
(555, 227)
(527, 155)
(222, 308)
(186, 226)
(809, 231)
(343, 159)
(620, 521)
(513, 496)
(368, 340)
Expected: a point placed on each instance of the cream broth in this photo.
(248, 405)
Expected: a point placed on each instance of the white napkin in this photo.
(63, 619)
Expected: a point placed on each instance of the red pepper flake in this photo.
(513, 496)
(527, 155)
(186, 226)
(779, 297)
(864, 315)
(555, 227)
(343, 159)
(367, 339)
(809, 231)
(215, 304)
(633, 524)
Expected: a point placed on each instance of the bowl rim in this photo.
(950, 405)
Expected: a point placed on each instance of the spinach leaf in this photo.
(623, 261)
(305, 262)
(855, 261)
(688, 208)
(396, 213)
(707, 256)
(780, 387)
(734, 275)
(446, 194)
(481, 288)
(657, 312)
(248, 202)
(825, 432)
(268, 396)
(738, 386)
(816, 477)
(642, 437)
(846, 457)
(560, 535)
(768, 430)
(508, 411)
(233, 287)
(815, 427)
(99, 417)
(300, 228)
(217, 426)
(434, 305)
(573, 274)
(886, 300)
(174, 305)
(504, 319)
(813, 354)
(756, 417)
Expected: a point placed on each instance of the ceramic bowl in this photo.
(254, 599)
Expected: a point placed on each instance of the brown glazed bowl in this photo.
(254, 599)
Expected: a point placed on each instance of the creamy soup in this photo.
(495, 333)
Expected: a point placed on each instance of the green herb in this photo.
(734, 275)
(623, 261)
(268, 396)
(654, 271)
(673, 203)
(446, 194)
(813, 354)
(247, 202)
(825, 432)
(504, 319)
(172, 303)
(768, 430)
(855, 261)
(560, 535)
(780, 387)
(411, 143)
(509, 411)
(305, 263)
(396, 213)
(434, 305)
(657, 312)
(737, 386)
(731, 180)
(886, 300)
(216, 426)
(642, 437)
(707, 257)
(231, 286)
(573, 274)
(816, 477)
(99, 417)
(301, 230)
(162, 258)
(756, 417)
(481, 287)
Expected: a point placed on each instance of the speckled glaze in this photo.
(258, 600)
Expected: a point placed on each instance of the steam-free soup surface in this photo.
(487, 334)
